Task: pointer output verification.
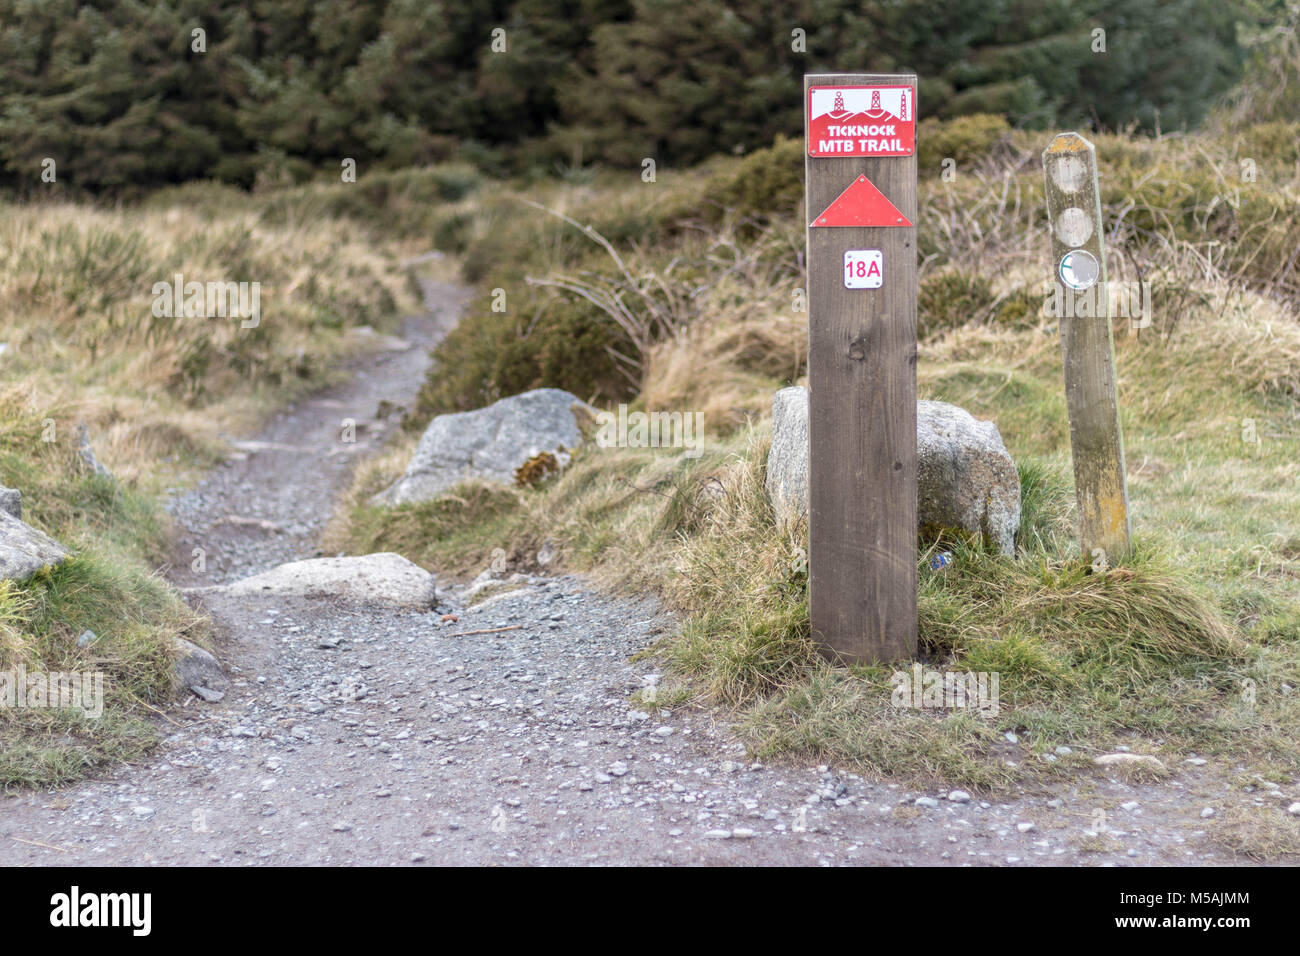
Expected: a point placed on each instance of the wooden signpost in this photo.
(861, 195)
(1079, 270)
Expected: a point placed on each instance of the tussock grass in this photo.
(1263, 834)
(117, 533)
(76, 311)
(133, 615)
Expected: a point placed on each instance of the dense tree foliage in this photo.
(125, 94)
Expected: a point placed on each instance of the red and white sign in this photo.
(862, 204)
(864, 269)
(861, 121)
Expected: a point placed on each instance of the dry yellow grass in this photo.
(76, 314)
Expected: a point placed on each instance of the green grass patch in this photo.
(133, 615)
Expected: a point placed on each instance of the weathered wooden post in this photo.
(1083, 306)
(861, 193)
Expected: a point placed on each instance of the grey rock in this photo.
(965, 476)
(87, 453)
(384, 578)
(195, 667)
(11, 502)
(24, 550)
(966, 479)
(490, 443)
(1128, 759)
(86, 638)
(787, 462)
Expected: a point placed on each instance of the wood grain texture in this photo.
(862, 414)
(1088, 351)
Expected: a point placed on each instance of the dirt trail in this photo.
(379, 736)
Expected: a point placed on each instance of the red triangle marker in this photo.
(862, 204)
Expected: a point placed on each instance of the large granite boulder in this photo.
(24, 550)
(787, 462)
(383, 578)
(490, 443)
(966, 479)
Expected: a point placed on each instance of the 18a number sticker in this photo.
(864, 269)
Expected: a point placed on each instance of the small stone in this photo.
(664, 732)
(341, 827)
(1207, 813)
(417, 857)
(1196, 761)
(1026, 827)
(618, 769)
(1294, 809)
(207, 693)
(1063, 751)
(1129, 760)
(959, 796)
(144, 813)
(742, 833)
(718, 835)
(86, 638)
(1011, 738)
(928, 803)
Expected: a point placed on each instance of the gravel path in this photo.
(372, 735)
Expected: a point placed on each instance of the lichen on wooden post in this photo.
(1082, 304)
